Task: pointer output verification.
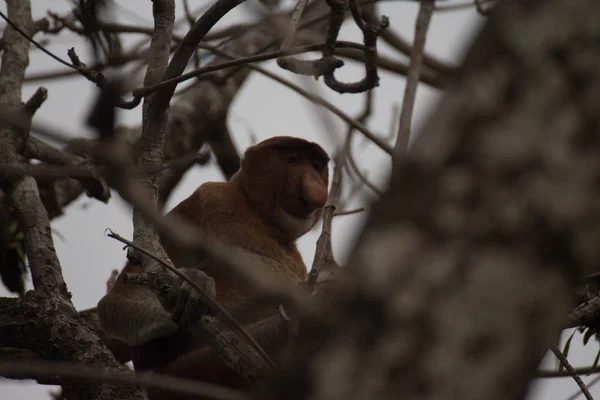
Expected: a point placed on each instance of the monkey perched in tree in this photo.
(274, 198)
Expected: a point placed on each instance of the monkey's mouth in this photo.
(301, 209)
(294, 224)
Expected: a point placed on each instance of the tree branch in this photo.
(154, 117)
(412, 78)
(563, 360)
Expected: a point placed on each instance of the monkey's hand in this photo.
(186, 305)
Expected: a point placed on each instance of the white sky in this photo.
(263, 108)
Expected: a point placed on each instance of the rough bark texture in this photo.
(53, 330)
(44, 321)
(154, 122)
(462, 277)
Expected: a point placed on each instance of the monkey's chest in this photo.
(243, 300)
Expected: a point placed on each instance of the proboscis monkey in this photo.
(274, 198)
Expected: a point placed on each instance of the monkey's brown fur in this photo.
(272, 200)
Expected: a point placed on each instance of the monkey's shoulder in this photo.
(222, 212)
(217, 204)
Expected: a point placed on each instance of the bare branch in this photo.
(327, 64)
(324, 258)
(320, 101)
(75, 373)
(294, 21)
(349, 161)
(98, 78)
(48, 309)
(154, 117)
(402, 45)
(12, 171)
(36, 100)
(585, 314)
(370, 34)
(349, 212)
(146, 90)
(412, 78)
(562, 374)
(44, 265)
(22, 30)
(563, 360)
(188, 45)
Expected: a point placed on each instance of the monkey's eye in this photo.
(318, 166)
(293, 159)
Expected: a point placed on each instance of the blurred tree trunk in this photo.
(462, 277)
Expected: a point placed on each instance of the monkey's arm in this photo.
(205, 364)
(133, 313)
(138, 314)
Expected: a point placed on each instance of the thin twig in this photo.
(394, 121)
(146, 90)
(191, 20)
(563, 360)
(349, 212)
(561, 374)
(328, 63)
(118, 62)
(412, 78)
(188, 45)
(36, 100)
(99, 79)
(402, 45)
(315, 68)
(92, 75)
(317, 100)
(349, 161)
(370, 34)
(383, 62)
(459, 7)
(294, 21)
(35, 43)
(82, 169)
(75, 373)
(324, 258)
(591, 383)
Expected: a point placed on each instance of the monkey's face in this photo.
(297, 172)
(304, 190)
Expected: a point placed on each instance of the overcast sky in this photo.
(263, 109)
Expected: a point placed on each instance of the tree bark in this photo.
(463, 275)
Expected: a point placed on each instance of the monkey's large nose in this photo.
(314, 191)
